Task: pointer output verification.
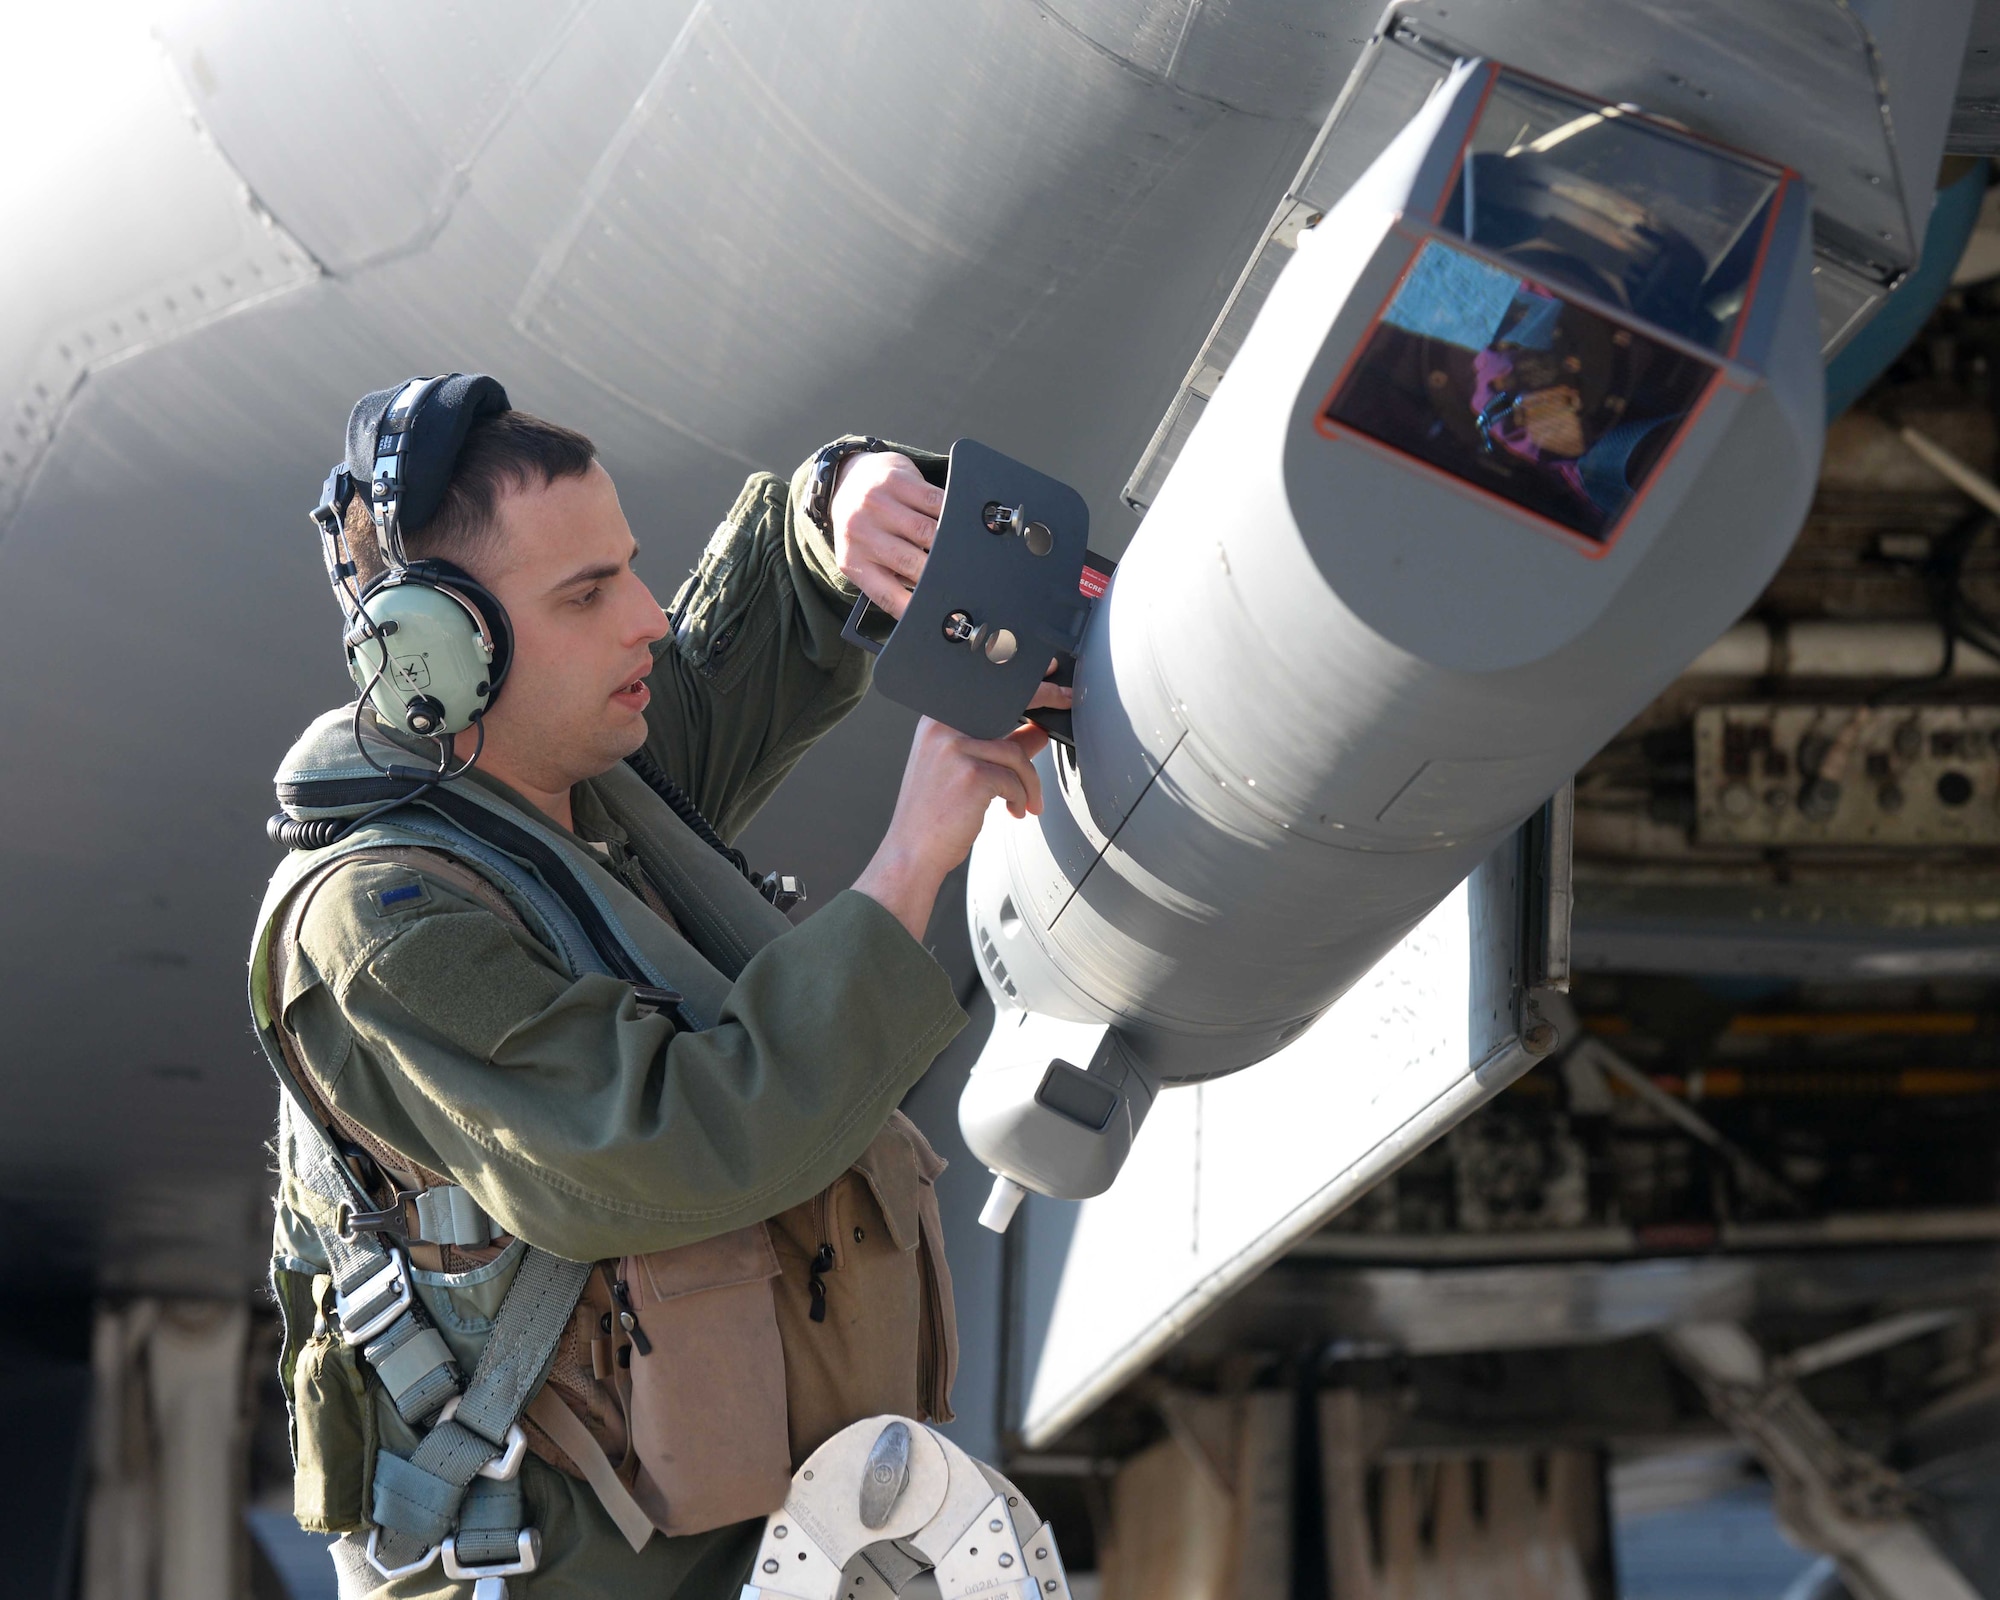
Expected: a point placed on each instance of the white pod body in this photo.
(1331, 675)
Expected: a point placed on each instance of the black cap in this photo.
(436, 434)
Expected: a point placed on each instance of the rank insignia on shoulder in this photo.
(399, 897)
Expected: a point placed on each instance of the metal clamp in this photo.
(394, 1275)
(504, 1467)
(375, 1560)
(782, 889)
(527, 1556)
(1002, 520)
(446, 1214)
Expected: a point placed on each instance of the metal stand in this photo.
(886, 1499)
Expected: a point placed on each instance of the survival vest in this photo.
(425, 1353)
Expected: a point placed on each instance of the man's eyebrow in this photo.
(594, 574)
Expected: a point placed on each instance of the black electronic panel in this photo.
(999, 599)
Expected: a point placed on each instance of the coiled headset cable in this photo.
(781, 889)
(676, 797)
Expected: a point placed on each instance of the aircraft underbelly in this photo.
(711, 235)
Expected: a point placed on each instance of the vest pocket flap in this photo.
(707, 1399)
(891, 1167)
(743, 1256)
(929, 1163)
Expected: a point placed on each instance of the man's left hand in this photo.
(884, 516)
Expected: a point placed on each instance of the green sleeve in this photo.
(755, 669)
(581, 1123)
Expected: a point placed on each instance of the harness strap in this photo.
(373, 1292)
(416, 1366)
(371, 1283)
(530, 863)
(438, 1494)
(375, 1299)
(417, 1501)
(561, 1424)
(448, 1214)
(457, 1489)
(489, 1523)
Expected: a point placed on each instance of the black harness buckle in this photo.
(395, 1221)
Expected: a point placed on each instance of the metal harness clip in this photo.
(505, 1465)
(527, 1556)
(393, 1221)
(446, 1214)
(375, 1559)
(392, 1279)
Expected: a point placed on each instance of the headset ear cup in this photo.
(428, 655)
(499, 626)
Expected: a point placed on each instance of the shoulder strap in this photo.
(524, 856)
(562, 1425)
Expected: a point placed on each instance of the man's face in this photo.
(574, 701)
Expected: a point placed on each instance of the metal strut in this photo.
(1832, 1497)
(890, 1498)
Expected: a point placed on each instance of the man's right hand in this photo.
(948, 784)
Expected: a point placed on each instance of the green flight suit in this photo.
(578, 1122)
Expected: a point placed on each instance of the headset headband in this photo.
(402, 444)
(392, 450)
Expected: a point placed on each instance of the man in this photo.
(723, 1145)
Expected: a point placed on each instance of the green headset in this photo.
(427, 645)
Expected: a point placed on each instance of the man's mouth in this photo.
(634, 695)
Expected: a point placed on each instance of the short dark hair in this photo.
(511, 451)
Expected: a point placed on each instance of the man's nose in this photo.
(650, 620)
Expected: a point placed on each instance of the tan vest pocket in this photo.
(708, 1388)
(333, 1477)
(868, 1254)
(902, 1171)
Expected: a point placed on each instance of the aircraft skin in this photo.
(711, 235)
